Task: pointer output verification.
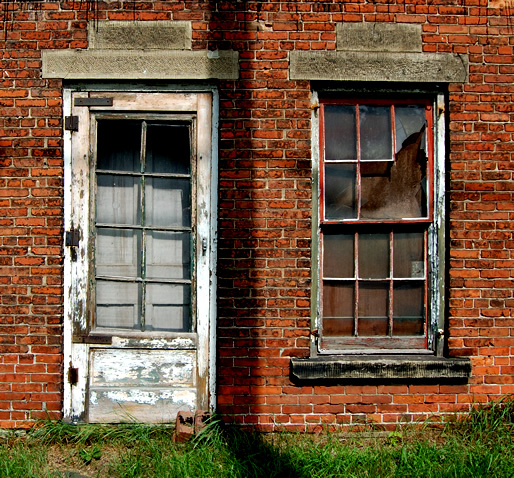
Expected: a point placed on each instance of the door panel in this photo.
(138, 295)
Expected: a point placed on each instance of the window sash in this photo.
(144, 244)
(386, 288)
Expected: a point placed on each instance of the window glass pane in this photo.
(117, 304)
(338, 308)
(168, 255)
(340, 132)
(409, 123)
(117, 253)
(408, 308)
(373, 256)
(340, 191)
(375, 132)
(168, 202)
(119, 145)
(373, 308)
(117, 199)
(167, 149)
(408, 250)
(338, 255)
(168, 307)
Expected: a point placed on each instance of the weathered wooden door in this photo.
(138, 255)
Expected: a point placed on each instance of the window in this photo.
(376, 227)
(143, 225)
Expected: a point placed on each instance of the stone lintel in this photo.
(139, 64)
(383, 67)
(134, 35)
(379, 37)
(368, 367)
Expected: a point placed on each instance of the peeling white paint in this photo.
(142, 367)
(155, 343)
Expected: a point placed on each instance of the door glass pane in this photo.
(340, 133)
(409, 254)
(338, 308)
(117, 199)
(340, 191)
(168, 255)
(373, 256)
(408, 308)
(373, 308)
(168, 149)
(168, 202)
(338, 255)
(118, 145)
(117, 304)
(375, 132)
(168, 307)
(117, 253)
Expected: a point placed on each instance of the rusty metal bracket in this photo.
(93, 102)
(71, 123)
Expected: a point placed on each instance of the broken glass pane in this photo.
(340, 191)
(399, 190)
(409, 121)
(340, 133)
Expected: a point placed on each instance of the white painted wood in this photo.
(116, 367)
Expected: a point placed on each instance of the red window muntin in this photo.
(376, 208)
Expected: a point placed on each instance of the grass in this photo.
(478, 445)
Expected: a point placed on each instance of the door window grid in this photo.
(370, 296)
(153, 292)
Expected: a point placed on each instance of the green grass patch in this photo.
(479, 444)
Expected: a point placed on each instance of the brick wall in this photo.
(265, 206)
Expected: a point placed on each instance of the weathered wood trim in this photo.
(380, 367)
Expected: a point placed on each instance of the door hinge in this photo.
(71, 123)
(72, 238)
(73, 375)
(93, 102)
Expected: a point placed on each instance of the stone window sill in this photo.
(380, 367)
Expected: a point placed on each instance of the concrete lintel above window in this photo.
(368, 367)
(378, 66)
(140, 64)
